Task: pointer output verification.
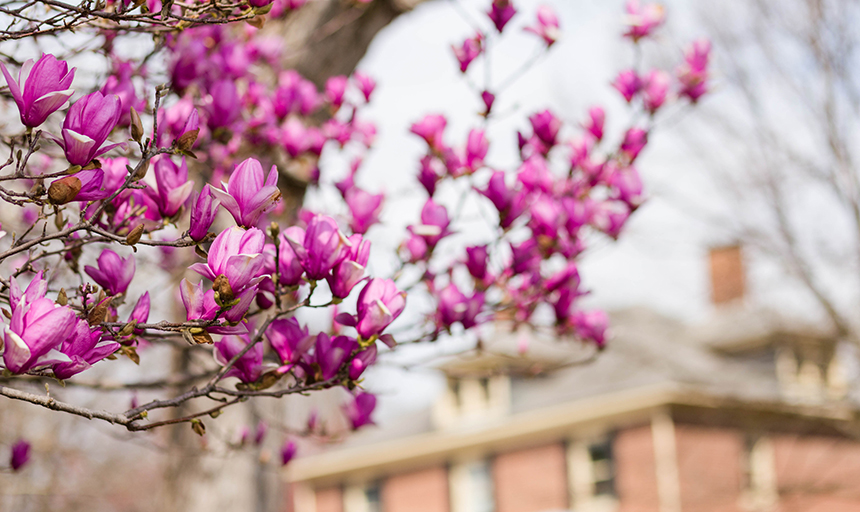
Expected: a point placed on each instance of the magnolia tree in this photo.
(196, 136)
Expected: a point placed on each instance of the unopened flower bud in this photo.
(62, 299)
(64, 190)
(136, 125)
(187, 139)
(97, 315)
(198, 427)
(222, 288)
(134, 236)
(128, 328)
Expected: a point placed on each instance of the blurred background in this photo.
(730, 379)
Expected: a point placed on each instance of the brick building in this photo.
(745, 413)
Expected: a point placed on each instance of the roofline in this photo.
(439, 446)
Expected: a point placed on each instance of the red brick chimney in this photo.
(727, 274)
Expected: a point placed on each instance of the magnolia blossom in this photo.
(360, 409)
(365, 84)
(289, 339)
(42, 88)
(172, 187)
(247, 368)
(87, 126)
(36, 329)
(693, 75)
(501, 12)
(248, 194)
(203, 214)
(642, 20)
(364, 207)
(468, 51)
(546, 26)
(113, 273)
(237, 255)
(335, 89)
(431, 129)
(628, 84)
(596, 120)
(322, 248)
(288, 451)
(654, 89)
(20, 454)
(379, 303)
(85, 347)
(349, 272)
(329, 355)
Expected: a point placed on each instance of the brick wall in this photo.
(636, 476)
(710, 468)
(817, 474)
(329, 499)
(531, 480)
(419, 491)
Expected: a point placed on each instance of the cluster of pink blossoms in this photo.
(229, 99)
(546, 214)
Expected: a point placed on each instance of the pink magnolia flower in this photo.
(642, 20)
(546, 126)
(501, 12)
(379, 303)
(120, 84)
(248, 195)
(37, 328)
(654, 89)
(236, 254)
(476, 261)
(360, 409)
(693, 75)
(546, 26)
(362, 361)
(628, 84)
(289, 339)
(365, 84)
(349, 272)
(203, 214)
(288, 451)
(335, 89)
(592, 326)
(247, 368)
(329, 355)
(364, 208)
(87, 126)
(172, 187)
(477, 146)
(627, 186)
(431, 129)
(322, 248)
(634, 141)
(20, 454)
(41, 89)
(223, 106)
(610, 217)
(85, 347)
(434, 223)
(454, 307)
(290, 268)
(468, 51)
(596, 120)
(200, 305)
(488, 98)
(113, 273)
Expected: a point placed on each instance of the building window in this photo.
(591, 471)
(363, 498)
(470, 400)
(602, 468)
(471, 487)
